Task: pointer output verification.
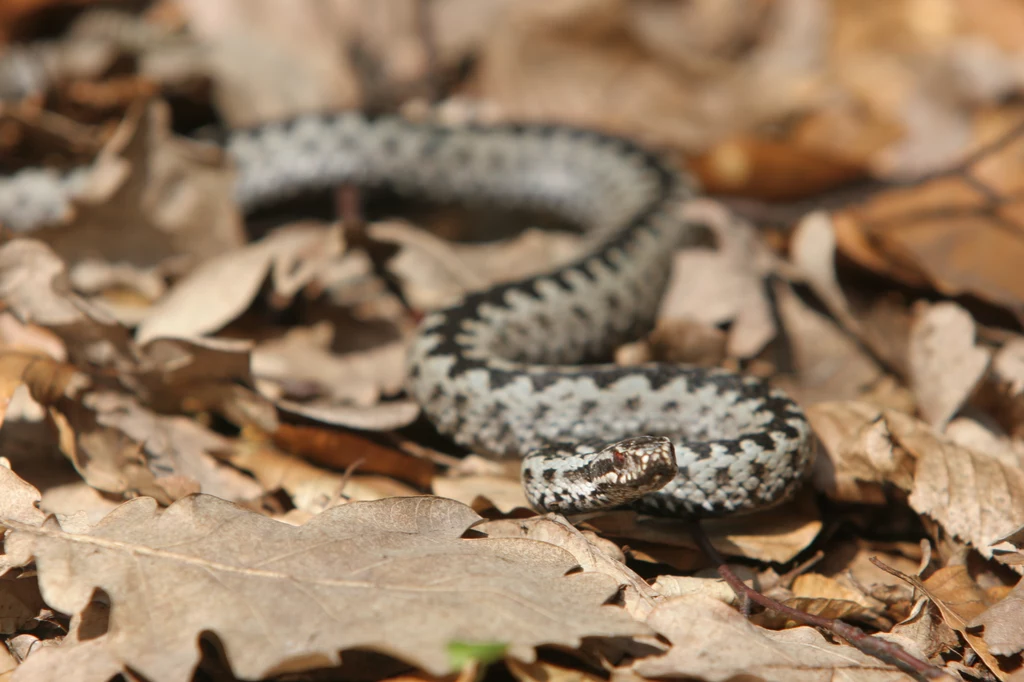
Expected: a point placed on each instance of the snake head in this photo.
(629, 469)
(587, 479)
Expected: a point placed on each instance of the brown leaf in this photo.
(714, 642)
(860, 457)
(293, 254)
(1003, 624)
(198, 375)
(725, 284)
(310, 488)
(949, 232)
(176, 447)
(151, 196)
(945, 363)
(342, 449)
(829, 362)
(303, 356)
(777, 535)
(437, 272)
(393, 576)
(504, 493)
(34, 285)
(958, 598)
(590, 551)
(831, 598)
(974, 495)
(19, 500)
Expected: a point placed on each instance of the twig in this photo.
(881, 649)
(428, 37)
(348, 207)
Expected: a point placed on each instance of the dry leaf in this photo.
(198, 375)
(974, 495)
(436, 272)
(829, 362)
(279, 597)
(236, 276)
(638, 597)
(310, 488)
(959, 599)
(726, 284)
(343, 449)
(945, 363)
(19, 501)
(949, 232)
(776, 535)
(302, 355)
(1003, 624)
(926, 628)
(33, 284)
(504, 493)
(151, 196)
(714, 642)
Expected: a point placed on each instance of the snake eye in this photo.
(619, 457)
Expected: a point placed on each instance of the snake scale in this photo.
(501, 372)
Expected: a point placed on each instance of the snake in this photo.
(521, 369)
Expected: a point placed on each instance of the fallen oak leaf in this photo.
(394, 576)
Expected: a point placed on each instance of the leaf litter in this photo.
(207, 445)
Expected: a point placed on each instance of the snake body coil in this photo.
(498, 372)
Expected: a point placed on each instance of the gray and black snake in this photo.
(499, 372)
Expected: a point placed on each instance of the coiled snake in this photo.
(498, 372)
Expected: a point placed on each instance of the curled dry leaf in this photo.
(387, 416)
(725, 284)
(437, 272)
(715, 642)
(196, 375)
(189, 309)
(105, 456)
(303, 356)
(958, 599)
(342, 449)
(828, 361)
(812, 249)
(926, 629)
(945, 363)
(1003, 624)
(394, 576)
(974, 495)
(151, 196)
(310, 488)
(34, 286)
